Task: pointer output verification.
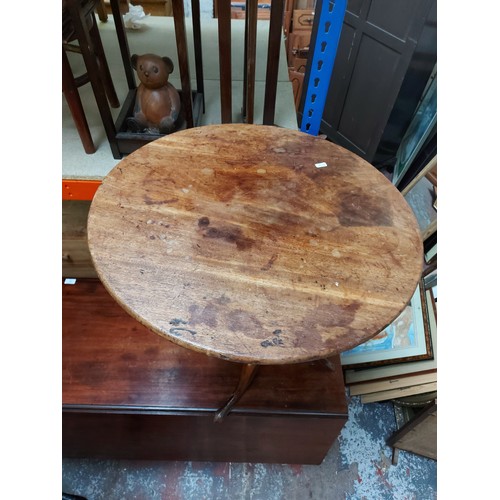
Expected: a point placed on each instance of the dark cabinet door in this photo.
(378, 40)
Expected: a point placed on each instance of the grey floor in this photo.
(358, 466)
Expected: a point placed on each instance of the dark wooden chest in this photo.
(128, 393)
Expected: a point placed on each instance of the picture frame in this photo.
(421, 196)
(359, 375)
(406, 339)
(423, 123)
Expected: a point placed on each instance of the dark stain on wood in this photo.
(239, 181)
(308, 338)
(361, 210)
(206, 315)
(129, 357)
(93, 372)
(243, 321)
(177, 331)
(222, 300)
(326, 317)
(152, 351)
(276, 341)
(230, 235)
(333, 315)
(203, 222)
(270, 263)
(177, 322)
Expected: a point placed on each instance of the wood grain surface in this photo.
(228, 240)
(109, 360)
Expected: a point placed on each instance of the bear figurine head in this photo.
(153, 71)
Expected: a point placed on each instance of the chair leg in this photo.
(103, 67)
(87, 47)
(70, 91)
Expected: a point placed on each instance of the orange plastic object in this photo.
(79, 189)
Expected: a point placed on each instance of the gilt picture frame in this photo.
(406, 339)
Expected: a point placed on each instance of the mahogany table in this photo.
(254, 244)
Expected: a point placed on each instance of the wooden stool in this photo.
(89, 44)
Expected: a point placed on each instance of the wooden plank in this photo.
(195, 437)
(399, 393)
(393, 383)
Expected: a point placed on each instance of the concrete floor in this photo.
(358, 466)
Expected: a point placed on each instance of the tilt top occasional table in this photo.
(254, 244)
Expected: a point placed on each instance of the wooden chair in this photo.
(223, 13)
(80, 34)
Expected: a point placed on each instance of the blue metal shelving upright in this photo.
(331, 18)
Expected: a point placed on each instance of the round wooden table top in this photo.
(234, 241)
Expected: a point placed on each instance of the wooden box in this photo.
(128, 142)
(298, 45)
(128, 393)
(302, 20)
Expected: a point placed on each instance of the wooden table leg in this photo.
(246, 377)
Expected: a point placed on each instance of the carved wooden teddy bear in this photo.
(157, 102)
